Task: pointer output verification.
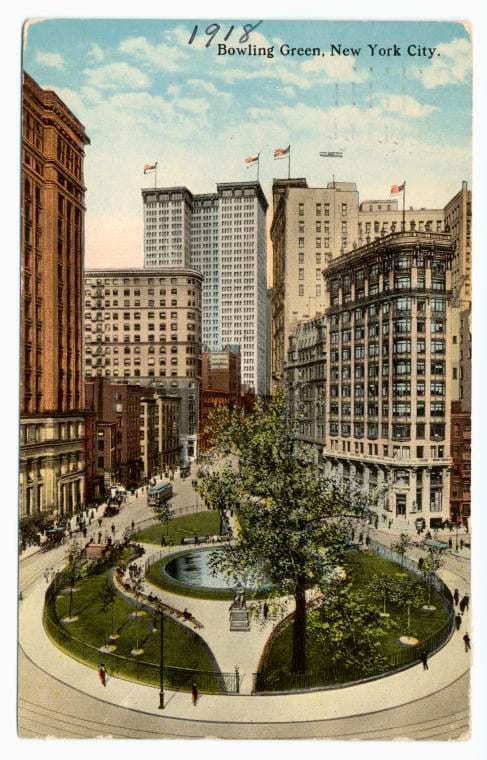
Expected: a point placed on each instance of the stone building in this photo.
(311, 227)
(144, 326)
(52, 249)
(389, 372)
(305, 383)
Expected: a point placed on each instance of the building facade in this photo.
(52, 249)
(222, 235)
(221, 372)
(311, 227)
(144, 326)
(116, 430)
(389, 373)
(305, 376)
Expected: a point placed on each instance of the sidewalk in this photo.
(445, 667)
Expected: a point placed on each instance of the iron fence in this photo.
(333, 675)
(131, 668)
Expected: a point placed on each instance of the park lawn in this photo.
(360, 566)
(182, 647)
(199, 524)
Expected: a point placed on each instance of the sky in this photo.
(144, 95)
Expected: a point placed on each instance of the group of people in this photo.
(462, 604)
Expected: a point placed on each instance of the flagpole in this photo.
(258, 165)
(155, 176)
(404, 206)
(289, 164)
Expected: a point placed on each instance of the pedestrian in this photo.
(462, 605)
(99, 522)
(163, 540)
(102, 673)
(353, 535)
(99, 537)
(466, 600)
(85, 531)
(424, 659)
(456, 597)
(466, 641)
(46, 575)
(450, 543)
(360, 538)
(367, 541)
(458, 621)
(194, 694)
(266, 610)
(461, 544)
(133, 525)
(113, 529)
(420, 563)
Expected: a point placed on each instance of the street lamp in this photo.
(161, 663)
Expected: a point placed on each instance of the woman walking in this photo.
(194, 694)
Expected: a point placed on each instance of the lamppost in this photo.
(161, 662)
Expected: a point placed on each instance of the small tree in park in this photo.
(432, 562)
(381, 586)
(107, 598)
(73, 561)
(350, 631)
(407, 593)
(138, 585)
(401, 546)
(293, 523)
(164, 514)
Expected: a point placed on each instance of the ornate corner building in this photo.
(51, 370)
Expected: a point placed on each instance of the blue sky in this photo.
(145, 95)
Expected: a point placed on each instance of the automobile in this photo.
(184, 470)
(111, 510)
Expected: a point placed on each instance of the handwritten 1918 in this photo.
(213, 29)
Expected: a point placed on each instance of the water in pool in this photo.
(193, 569)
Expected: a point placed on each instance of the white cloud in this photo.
(113, 76)
(405, 105)
(161, 57)
(332, 69)
(174, 89)
(451, 66)
(194, 105)
(95, 53)
(50, 60)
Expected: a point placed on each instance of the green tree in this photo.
(293, 523)
(432, 562)
(381, 586)
(350, 631)
(163, 513)
(107, 597)
(401, 546)
(73, 561)
(137, 585)
(407, 593)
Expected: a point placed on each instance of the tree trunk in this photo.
(299, 628)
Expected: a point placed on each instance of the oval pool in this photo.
(193, 569)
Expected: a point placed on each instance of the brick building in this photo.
(52, 248)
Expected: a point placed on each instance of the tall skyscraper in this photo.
(52, 248)
(224, 235)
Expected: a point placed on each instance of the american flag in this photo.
(149, 168)
(395, 189)
(251, 160)
(281, 152)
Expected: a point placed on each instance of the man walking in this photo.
(266, 610)
(462, 605)
(456, 597)
(194, 694)
(465, 601)
(102, 673)
(458, 621)
(466, 641)
(424, 659)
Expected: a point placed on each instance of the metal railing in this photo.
(131, 668)
(333, 675)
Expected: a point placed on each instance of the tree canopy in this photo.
(293, 524)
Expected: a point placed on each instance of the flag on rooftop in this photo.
(148, 168)
(281, 152)
(251, 160)
(331, 154)
(395, 189)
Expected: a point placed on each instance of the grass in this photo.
(182, 647)
(360, 567)
(199, 524)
